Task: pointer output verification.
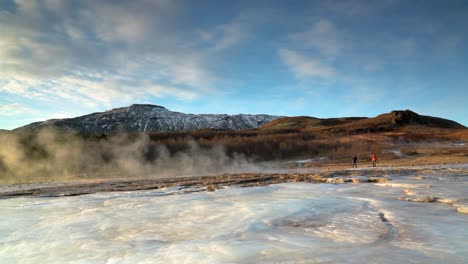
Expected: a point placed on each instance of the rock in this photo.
(428, 199)
(334, 180)
(463, 210)
(210, 188)
(408, 192)
(382, 217)
(357, 179)
(376, 180)
(444, 200)
(298, 177)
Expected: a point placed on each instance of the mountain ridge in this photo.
(150, 118)
(156, 118)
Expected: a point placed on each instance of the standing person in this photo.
(374, 160)
(354, 161)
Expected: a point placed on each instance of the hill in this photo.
(149, 118)
(393, 121)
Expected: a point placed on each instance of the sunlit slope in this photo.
(404, 121)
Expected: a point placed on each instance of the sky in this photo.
(68, 58)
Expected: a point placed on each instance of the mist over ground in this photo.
(51, 155)
(55, 155)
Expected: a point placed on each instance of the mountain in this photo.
(150, 118)
(395, 120)
(154, 118)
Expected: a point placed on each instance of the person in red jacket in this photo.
(374, 160)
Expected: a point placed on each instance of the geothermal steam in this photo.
(50, 155)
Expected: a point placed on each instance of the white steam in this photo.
(53, 156)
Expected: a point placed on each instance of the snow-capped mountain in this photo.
(147, 118)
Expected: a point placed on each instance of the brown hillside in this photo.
(461, 134)
(393, 121)
(306, 122)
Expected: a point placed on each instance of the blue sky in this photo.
(316, 58)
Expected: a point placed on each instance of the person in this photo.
(354, 161)
(374, 160)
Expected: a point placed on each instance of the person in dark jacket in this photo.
(354, 161)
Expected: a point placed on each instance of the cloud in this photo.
(239, 29)
(16, 114)
(103, 91)
(12, 109)
(304, 67)
(231, 34)
(163, 91)
(188, 71)
(357, 8)
(18, 87)
(126, 22)
(322, 36)
(98, 53)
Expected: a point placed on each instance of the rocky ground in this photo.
(425, 157)
(208, 183)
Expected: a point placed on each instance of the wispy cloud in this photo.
(21, 113)
(12, 109)
(187, 70)
(322, 36)
(99, 52)
(129, 22)
(357, 8)
(231, 33)
(304, 67)
(19, 86)
(94, 92)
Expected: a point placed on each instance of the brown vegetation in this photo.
(299, 136)
(263, 145)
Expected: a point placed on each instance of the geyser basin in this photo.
(291, 222)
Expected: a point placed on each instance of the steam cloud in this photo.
(51, 155)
